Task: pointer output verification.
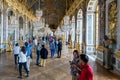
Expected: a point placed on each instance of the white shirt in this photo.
(22, 57)
(16, 49)
(43, 43)
(35, 41)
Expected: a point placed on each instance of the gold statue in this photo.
(21, 42)
(70, 46)
(9, 47)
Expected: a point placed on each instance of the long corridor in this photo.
(55, 69)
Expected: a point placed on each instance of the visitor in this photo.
(35, 44)
(74, 71)
(59, 48)
(28, 48)
(16, 51)
(43, 41)
(44, 56)
(86, 70)
(38, 54)
(52, 48)
(22, 62)
(56, 46)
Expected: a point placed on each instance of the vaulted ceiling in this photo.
(53, 10)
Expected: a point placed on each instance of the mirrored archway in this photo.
(79, 26)
(11, 26)
(20, 27)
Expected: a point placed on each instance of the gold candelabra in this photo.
(63, 39)
(78, 44)
(70, 46)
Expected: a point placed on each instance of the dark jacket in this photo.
(44, 53)
(59, 45)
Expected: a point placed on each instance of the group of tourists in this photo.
(23, 55)
(80, 68)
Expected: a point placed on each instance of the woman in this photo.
(22, 62)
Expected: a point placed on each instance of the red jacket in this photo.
(86, 73)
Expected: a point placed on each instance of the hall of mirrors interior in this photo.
(90, 26)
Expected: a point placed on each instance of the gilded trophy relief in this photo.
(112, 20)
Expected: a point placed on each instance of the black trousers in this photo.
(59, 52)
(25, 67)
(16, 59)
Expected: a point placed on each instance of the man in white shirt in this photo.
(16, 51)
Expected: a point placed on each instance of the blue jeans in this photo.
(38, 58)
(52, 53)
(56, 49)
(25, 67)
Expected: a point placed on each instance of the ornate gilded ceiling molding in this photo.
(74, 6)
(20, 6)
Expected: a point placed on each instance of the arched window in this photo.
(73, 28)
(91, 26)
(0, 24)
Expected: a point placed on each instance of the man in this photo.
(52, 48)
(86, 70)
(44, 55)
(28, 48)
